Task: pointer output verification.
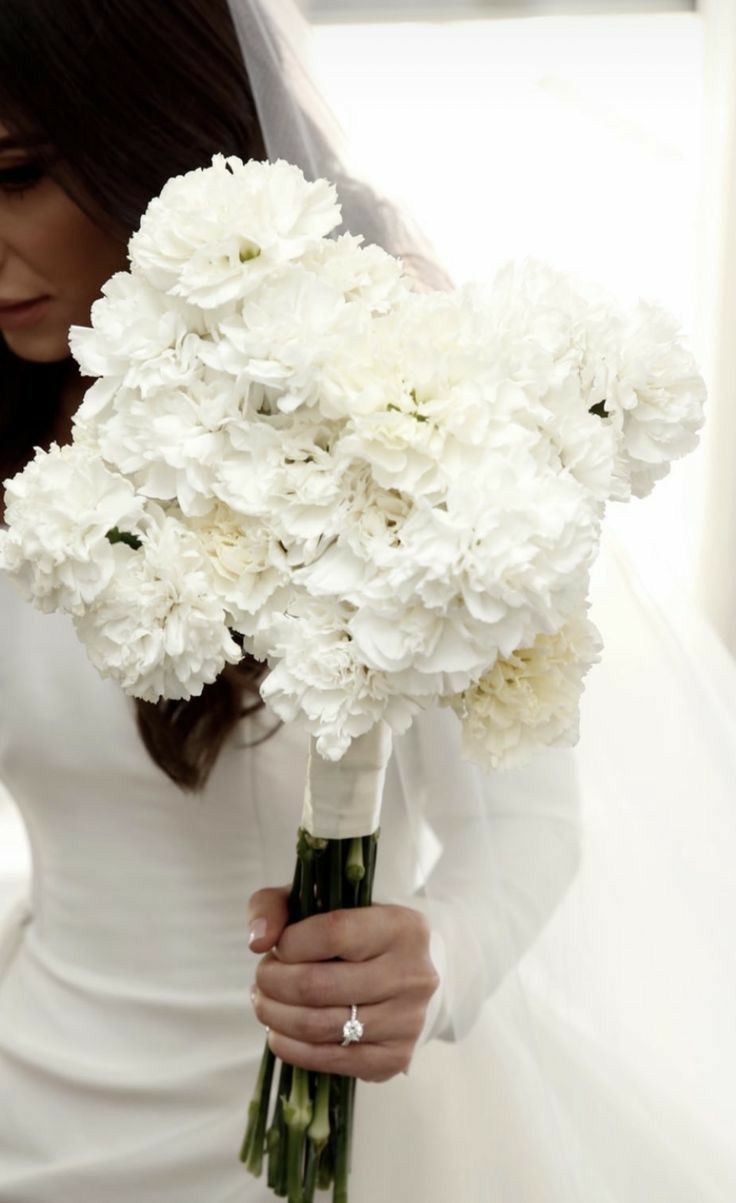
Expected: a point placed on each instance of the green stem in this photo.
(370, 845)
(326, 1167)
(296, 885)
(253, 1144)
(310, 1174)
(306, 895)
(372, 854)
(273, 1149)
(362, 898)
(355, 868)
(319, 1129)
(351, 1122)
(309, 1140)
(322, 878)
(256, 1137)
(298, 1115)
(318, 1134)
(326, 1171)
(277, 1161)
(340, 1190)
(320, 871)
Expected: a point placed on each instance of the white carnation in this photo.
(452, 404)
(59, 511)
(285, 473)
(362, 376)
(403, 451)
(135, 331)
(159, 628)
(580, 442)
(361, 273)
(439, 646)
(281, 336)
(214, 234)
(556, 336)
(319, 674)
(248, 563)
(372, 519)
(656, 399)
(543, 316)
(172, 446)
(507, 549)
(530, 698)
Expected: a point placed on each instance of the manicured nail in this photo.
(257, 930)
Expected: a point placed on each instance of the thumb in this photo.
(268, 916)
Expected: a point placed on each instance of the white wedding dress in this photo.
(128, 1045)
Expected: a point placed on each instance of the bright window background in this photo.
(575, 139)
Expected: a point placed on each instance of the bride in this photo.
(505, 1056)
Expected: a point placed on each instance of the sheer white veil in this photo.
(582, 906)
(298, 125)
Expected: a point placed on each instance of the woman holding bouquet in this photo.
(132, 1011)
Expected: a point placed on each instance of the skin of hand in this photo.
(303, 994)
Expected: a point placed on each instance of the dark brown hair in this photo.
(116, 96)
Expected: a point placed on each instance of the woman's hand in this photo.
(304, 995)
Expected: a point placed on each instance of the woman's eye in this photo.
(20, 179)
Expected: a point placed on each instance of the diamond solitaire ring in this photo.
(352, 1030)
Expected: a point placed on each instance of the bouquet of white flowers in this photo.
(393, 499)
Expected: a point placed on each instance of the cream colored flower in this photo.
(530, 698)
(247, 561)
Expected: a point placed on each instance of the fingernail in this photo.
(257, 930)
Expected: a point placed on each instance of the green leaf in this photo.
(124, 536)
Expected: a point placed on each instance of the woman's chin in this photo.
(38, 346)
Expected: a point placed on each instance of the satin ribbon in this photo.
(342, 798)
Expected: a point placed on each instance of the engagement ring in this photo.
(352, 1030)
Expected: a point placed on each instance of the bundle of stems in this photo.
(308, 1141)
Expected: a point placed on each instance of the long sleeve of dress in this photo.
(504, 848)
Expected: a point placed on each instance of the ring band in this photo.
(352, 1030)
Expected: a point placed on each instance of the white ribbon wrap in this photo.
(342, 798)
